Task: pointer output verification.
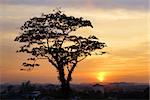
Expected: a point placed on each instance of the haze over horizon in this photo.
(121, 24)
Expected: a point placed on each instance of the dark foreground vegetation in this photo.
(112, 91)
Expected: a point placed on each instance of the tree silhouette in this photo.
(49, 37)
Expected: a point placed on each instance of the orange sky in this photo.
(125, 31)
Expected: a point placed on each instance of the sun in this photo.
(101, 76)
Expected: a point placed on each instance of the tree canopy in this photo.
(50, 37)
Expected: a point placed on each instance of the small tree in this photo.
(49, 37)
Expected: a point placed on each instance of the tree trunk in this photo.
(66, 90)
(65, 85)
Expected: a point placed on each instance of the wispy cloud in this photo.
(107, 4)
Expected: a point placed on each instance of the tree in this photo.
(27, 87)
(49, 37)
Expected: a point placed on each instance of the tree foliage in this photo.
(48, 36)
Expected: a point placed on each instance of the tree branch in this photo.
(51, 61)
(70, 72)
(47, 43)
(81, 59)
(64, 37)
(68, 68)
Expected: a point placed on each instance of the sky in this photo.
(121, 24)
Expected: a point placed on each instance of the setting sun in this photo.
(101, 76)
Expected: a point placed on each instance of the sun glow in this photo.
(101, 76)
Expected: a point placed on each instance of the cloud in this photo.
(126, 4)
(134, 51)
(107, 4)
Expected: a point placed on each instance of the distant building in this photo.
(98, 87)
(32, 95)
